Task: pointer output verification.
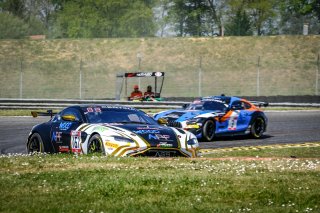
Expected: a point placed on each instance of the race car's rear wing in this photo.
(48, 113)
(260, 103)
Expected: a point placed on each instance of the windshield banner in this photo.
(144, 74)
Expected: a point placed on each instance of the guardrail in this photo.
(62, 103)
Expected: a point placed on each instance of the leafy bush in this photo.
(12, 27)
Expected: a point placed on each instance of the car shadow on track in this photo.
(239, 138)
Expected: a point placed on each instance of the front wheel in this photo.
(95, 144)
(208, 130)
(258, 127)
(35, 144)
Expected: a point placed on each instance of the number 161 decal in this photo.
(76, 141)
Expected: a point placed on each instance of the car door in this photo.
(62, 127)
(233, 120)
(243, 115)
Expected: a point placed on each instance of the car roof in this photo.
(221, 98)
(104, 107)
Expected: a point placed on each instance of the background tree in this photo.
(12, 27)
(145, 18)
(239, 25)
(113, 18)
(295, 13)
(162, 18)
(14, 7)
(260, 11)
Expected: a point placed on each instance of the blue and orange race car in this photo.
(213, 116)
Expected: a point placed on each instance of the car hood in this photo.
(156, 136)
(184, 115)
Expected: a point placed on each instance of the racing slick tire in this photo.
(35, 144)
(95, 144)
(208, 130)
(258, 127)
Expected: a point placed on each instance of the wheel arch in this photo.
(210, 118)
(47, 146)
(257, 114)
(91, 136)
(203, 124)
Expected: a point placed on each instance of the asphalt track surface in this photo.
(286, 127)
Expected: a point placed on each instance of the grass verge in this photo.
(68, 183)
(312, 151)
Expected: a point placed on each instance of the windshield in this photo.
(208, 105)
(101, 115)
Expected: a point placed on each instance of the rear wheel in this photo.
(208, 130)
(95, 144)
(258, 127)
(35, 144)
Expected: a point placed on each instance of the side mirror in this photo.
(184, 106)
(162, 121)
(69, 117)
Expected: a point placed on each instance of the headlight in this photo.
(192, 141)
(195, 121)
(121, 139)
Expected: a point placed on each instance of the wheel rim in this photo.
(259, 127)
(210, 130)
(95, 145)
(34, 145)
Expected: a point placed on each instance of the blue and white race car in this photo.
(213, 116)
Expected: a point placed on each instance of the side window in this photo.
(237, 105)
(56, 118)
(246, 105)
(73, 112)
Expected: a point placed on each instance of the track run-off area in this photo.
(285, 128)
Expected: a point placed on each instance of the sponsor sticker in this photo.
(112, 145)
(164, 145)
(120, 107)
(56, 136)
(144, 74)
(148, 128)
(159, 137)
(147, 131)
(63, 148)
(95, 109)
(65, 125)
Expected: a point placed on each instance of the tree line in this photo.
(156, 18)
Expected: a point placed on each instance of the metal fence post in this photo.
(80, 79)
(200, 76)
(317, 74)
(258, 77)
(21, 78)
(139, 57)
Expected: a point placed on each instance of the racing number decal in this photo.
(76, 141)
(232, 124)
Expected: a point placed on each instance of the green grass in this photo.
(51, 68)
(292, 152)
(67, 183)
